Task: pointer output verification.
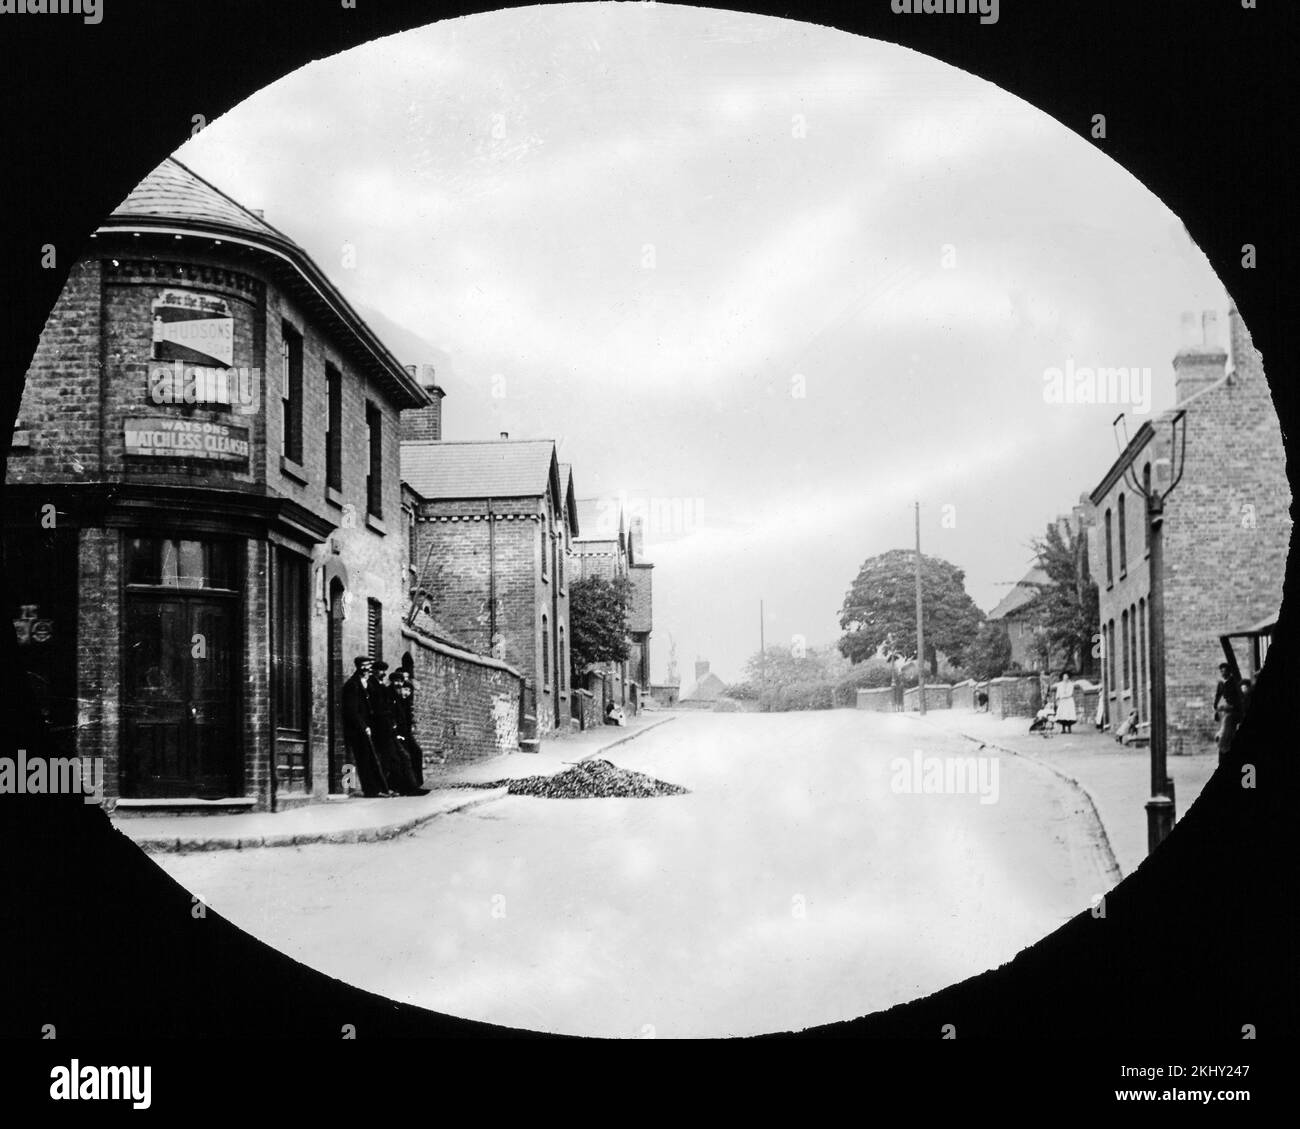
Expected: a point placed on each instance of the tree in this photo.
(1067, 605)
(989, 655)
(882, 602)
(598, 621)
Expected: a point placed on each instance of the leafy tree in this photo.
(882, 602)
(792, 678)
(598, 621)
(1067, 605)
(989, 655)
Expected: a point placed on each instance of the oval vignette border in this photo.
(1194, 943)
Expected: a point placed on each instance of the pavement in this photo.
(357, 819)
(1116, 779)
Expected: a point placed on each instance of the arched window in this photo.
(546, 653)
(1124, 635)
(1110, 562)
(1146, 524)
(563, 660)
(1123, 539)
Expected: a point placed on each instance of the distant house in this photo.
(708, 686)
(1017, 615)
(1226, 532)
(608, 548)
(492, 522)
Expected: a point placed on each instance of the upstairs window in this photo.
(375, 478)
(334, 428)
(1123, 540)
(1146, 525)
(291, 355)
(375, 630)
(1110, 560)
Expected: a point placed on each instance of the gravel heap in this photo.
(593, 778)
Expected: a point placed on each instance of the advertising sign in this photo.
(172, 438)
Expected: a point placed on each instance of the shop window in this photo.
(169, 562)
(291, 355)
(290, 657)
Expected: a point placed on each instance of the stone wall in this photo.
(1015, 697)
(880, 700)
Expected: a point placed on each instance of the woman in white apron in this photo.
(1066, 714)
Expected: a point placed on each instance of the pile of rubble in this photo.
(589, 779)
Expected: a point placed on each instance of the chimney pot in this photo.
(505, 435)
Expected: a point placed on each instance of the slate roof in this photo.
(1022, 595)
(491, 468)
(173, 191)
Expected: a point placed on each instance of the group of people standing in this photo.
(378, 727)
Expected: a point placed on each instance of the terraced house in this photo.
(203, 511)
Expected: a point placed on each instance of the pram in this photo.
(1044, 723)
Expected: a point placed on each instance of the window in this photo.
(291, 355)
(168, 562)
(1124, 632)
(547, 547)
(375, 630)
(563, 673)
(334, 428)
(1146, 522)
(559, 561)
(1123, 540)
(1110, 565)
(546, 653)
(289, 660)
(1143, 692)
(375, 479)
(1110, 657)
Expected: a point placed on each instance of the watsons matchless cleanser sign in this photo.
(168, 437)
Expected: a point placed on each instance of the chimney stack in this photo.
(701, 668)
(505, 435)
(424, 423)
(1199, 363)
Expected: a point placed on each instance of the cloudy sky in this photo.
(772, 281)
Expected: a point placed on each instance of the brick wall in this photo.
(1015, 697)
(937, 697)
(880, 700)
(466, 706)
(1226, 532)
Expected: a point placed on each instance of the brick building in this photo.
(493, 526)
(1226, 532)
(203, 505)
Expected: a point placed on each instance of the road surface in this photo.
(799, 883)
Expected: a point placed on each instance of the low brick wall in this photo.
(586, 708)
(1015, 697)
(880, 700)
(963, 695)
(938, 697)
(466, 705)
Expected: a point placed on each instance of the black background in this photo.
(98, 942)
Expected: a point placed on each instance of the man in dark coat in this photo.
(1229, 705)
(358, 729)
(404, 706)
(383, 713)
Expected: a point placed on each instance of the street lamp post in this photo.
(1160, 808)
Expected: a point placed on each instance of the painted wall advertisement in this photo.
(169, 437)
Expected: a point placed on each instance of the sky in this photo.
(772, 283)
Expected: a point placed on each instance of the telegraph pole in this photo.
(920, 626)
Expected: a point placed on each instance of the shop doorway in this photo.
(180, 655)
